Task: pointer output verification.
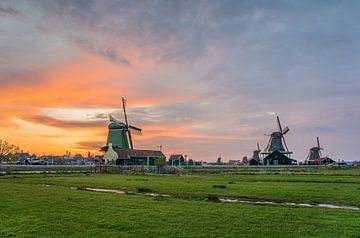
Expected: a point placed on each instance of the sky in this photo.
(201, 78)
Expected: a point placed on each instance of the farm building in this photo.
(323, 161)
(278, 158)
(177, 159)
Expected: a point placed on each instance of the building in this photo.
(178, 160)
(278, 158)
(323, 161)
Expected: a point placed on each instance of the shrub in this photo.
(219, 186)
(212, 198)
(143, 190)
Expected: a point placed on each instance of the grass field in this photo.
(30, 209)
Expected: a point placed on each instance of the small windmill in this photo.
(256, 153)
(255, 160)
(315, 152)
(120, 132)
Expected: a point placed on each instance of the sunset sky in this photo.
(201, 78)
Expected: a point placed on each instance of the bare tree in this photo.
(6, 149)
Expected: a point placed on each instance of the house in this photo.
(177, 159)
(278, 158)
(135, 156)
(254, 161)
(323, 161)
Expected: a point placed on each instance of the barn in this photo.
(177, 159)
(278, 158)
(135, 156)
(323, 161)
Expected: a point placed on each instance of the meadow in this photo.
(48, 205)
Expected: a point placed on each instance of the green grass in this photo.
(344, 190)
(30, 210)
(34, 211)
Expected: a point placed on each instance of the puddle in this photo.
(105, 190)
(125, 192)
(290, 204)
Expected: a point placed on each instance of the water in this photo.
(291, 204)
(224, 200)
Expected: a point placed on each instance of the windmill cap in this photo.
(114, 125)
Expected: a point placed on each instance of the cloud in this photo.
(90, 145)
(68, 125)
(9, 11)
(108, 54)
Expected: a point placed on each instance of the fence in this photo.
(45, 168)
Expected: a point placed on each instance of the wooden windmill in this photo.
(315, 152)
(120, 132)
(315, 156)
(276, 151)
(255, 160)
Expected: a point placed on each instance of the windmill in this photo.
(315, 152)
(277, 141)
(120, 132)
(255, 160)
(256, 153)
(276, 150)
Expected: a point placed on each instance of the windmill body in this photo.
(275, 142)
(314, 153)
(117, 135)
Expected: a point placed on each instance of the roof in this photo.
(279, 155)
(324, 159)
(126, 153)
(176, 157)
(114, 125)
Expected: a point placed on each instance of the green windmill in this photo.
(120, 133)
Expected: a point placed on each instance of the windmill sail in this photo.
(286, 130)
(135, 130)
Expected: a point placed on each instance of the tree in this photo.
(6, 149)
(160, 163)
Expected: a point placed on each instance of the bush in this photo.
(143, 190)
(219, 186)
(212, 198)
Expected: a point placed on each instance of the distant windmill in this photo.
(255, 160)
(120, 132)
(276, 151)
(315, 152)
(256, 153)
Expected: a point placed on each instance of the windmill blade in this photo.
(286, 130)
(279, 124)
(318, 141)
(126, 122)
(258, 146)
(135, 130)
